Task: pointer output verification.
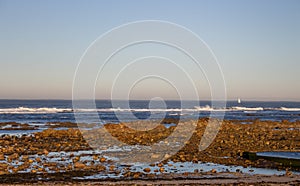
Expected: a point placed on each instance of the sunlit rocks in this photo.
(38, 159)
(79, 165)
(288, 172)
(161, 169)
(112, 168)
(33, 171)
(13, 156)
(100, 168)
(147, 169)
(33, 153)
(2, 157)
(102, 159)
(45, 152)
(160, 164)
(76, 159)
(136, 175)
(130, 136)
(95, 157)
(3, 166)
(167, 156)
(155, 156)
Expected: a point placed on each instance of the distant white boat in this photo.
(239, 100)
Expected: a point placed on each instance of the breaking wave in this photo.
(45, 110)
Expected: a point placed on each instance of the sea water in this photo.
(43, 111)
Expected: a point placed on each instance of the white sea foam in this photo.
(26, 110)
(176, 111)
(247, 108)
(205, 108)
(289, 109)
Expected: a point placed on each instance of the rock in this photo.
(79, 165)
(161, 169)
(160, 165)
(15, 170)
(95, 157)
(3, 166)
(25, 157)
(147, 169)
(155, 156)
(76, 159)
(100, 168)
(3, 172)
(102, 159)
(167, 156)
(288, 172)
(2, 157)
(14, 156)
(38, 159)
(248, 162)
(136, 175)
(213, 171)
(33, 171)
(111, 168)
(45, 152)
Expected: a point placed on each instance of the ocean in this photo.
(43, 111)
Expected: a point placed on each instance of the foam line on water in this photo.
(45, 110)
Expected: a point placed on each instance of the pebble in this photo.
(160, 165)
(2, 157)
(288, 172)
(79, 165)
(111, 168)
(33, 171)
(161, 169)
(136, 175)
(95, 157)
(147, 170)
(46, 152)
(213, 171)
(102, 159)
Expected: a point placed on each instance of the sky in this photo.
(256, 43)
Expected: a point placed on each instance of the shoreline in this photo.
(54, 151)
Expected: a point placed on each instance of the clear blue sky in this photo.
(256, 42)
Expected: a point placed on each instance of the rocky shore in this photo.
(62, 155)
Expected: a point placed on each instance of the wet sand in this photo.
(64, 156)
